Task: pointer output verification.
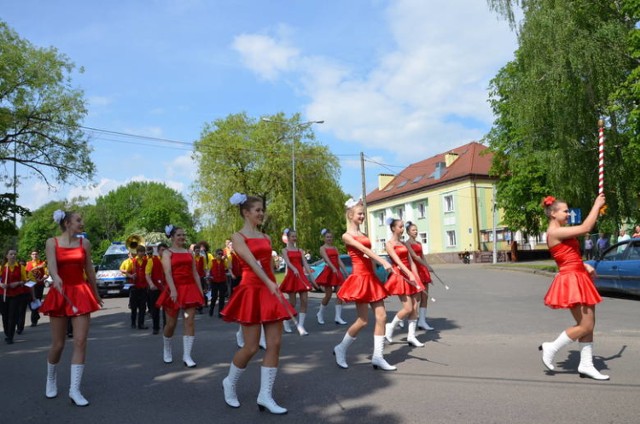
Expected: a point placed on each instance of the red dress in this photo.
(572, 285)
(396, 284)
(252, 303)
(328, 277)
(362, 286)
(291, 283)
(189, 295)
(423, 271)
(71, 263)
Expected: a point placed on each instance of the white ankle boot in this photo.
(287, 326)
(229, 386)
(74, 390)
(340, 351)
(390, 327)
(411, 338)
(52, 381)
(549, 349)
(187, 345)
(301, 317)
(339, 319)
(320, 314)
(167, 354)
(422, 320)
(377, 360)
(265, 398)
(586, 368)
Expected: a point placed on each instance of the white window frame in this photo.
(452, 240)
(448, 203)
(382, 245)
(400, 213)
(381, 218)
(423, 237)
(422, 210)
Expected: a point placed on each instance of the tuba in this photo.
(133, 241)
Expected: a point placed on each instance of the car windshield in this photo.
(110, 262)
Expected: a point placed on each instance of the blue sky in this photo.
(398, 80)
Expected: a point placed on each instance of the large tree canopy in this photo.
(40, 114)
(572, 59)
(241, 154)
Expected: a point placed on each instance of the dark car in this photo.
(618, 268)
(318, 266)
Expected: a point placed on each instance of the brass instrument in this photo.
(133, 241)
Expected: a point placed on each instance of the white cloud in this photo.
(265, 55)
(428, 94)
(181, 167)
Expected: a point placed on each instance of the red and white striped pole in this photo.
(601, 162)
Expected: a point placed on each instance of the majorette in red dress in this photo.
(189, 295)
(572, 285)
(71, 262)
(396, 284)
(327, 277)
(362, 286)
(252, 303)
(423, 271)
(291, 283)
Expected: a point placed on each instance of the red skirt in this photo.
(189, 296)
(362, 288)
(252, 303)
(293, 284)
(396, 285)
(423, 273)
(329, 278)
(572, 288)
(80, 295)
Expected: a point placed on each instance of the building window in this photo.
(400, 212)
(381, 218)
(421, 210)
(382, 245)
(423, 238)
(448, 203)
(451, 238)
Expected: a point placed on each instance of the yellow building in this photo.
(449, 197)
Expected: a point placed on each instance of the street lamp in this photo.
(293, 157)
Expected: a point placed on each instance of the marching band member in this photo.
(332, 276)
(363, 288)
(423, 272)
(255, 301)
(295, 280)
(73, 295)
(37, 269)
(218, 282)
(136, 272)
(12, 289)
(157, 284)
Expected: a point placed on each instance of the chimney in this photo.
(384, 180)
(449, 158)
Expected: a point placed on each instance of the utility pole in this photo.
(364, 193)
(495, 219)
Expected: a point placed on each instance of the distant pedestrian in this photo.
(588, 247)
(602, 243)
(573, 287)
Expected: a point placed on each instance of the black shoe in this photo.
(210, 312)
(143, 327)
(133, 326)
(155, 331)
(33, 324)
(19, 332)
(8, 340)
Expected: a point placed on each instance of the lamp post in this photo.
(293, 157)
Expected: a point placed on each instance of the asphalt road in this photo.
(481, 365)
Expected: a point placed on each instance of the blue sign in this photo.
(575, 216)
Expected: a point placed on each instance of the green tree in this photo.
(40, 115)
(242, 154)
(572, 58)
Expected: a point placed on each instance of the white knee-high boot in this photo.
(301, 317)
(287, 326)
(340, 350)
(320, 314)
(586, 368)
(339, 319)
(377, 360)
(422, 320)
(229, 386)
(265, 397)
(388, 328)
(412, 340)
(167, 354)
(240, 337)
(187, 345)
(549, 349)
(74, 389)
(52, 381)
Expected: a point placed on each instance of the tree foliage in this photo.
(242, 154)
(40, 115)
(571, 61)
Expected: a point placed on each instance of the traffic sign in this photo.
(575, 216)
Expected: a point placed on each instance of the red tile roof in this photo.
(420, 175)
